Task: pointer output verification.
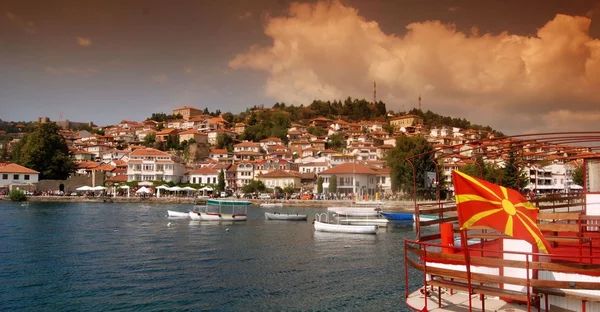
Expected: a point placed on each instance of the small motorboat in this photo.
(285, 216)
(177, 214)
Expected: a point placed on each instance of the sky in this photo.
(517, 66)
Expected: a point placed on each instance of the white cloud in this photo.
(512, 83)
(84, 42)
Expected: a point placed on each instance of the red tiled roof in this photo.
(14, 168)
(280, 174)
(118, 178)
(349, 168)
(148, 152)
(204, 170)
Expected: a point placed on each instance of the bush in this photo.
(17, 195)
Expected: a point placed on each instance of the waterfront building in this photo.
(148, 164)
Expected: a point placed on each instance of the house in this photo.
(352, 178)
(212, 135)
(15, 175)
(196, 135)
(268, 142)
(187, 112)
(164, 135)
(219, 154)
(281, 179)
(239, 128)
(405, 121)
(203, 175)
(245, 173)
(148, 164)
(321, 122)
(274, 163)
(247, 151)
(316, 167)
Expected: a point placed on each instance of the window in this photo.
(15, 177)
(25, 177)
(4, 176)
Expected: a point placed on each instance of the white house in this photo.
(351, 178)
(148, 164)
(13, 174)
(203, 175)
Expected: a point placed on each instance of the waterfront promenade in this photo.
(388, 205)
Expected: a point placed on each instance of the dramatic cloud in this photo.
(26, 26)
(513, 83)
(85, 42)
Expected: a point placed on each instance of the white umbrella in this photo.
(175, 188)
(98, 188)
(206, 188)
(188, 188)
(83, 188)
(144, 190)
(162, 187)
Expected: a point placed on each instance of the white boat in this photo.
(341, 228)
(177, 214)
(271, 205)
(221, 210)
(358, 209)
(285, 216)
(382, 222)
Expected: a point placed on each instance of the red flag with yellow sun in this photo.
(481, 203)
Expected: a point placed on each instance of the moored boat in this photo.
(285, 216)
(221, 210)
(397, 216)
(271, 205)
(325, 226)
(177, 214)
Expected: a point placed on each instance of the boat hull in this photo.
(343, 228)
(271, 205)
(398, 216)
(285, 216)
(203, 216)
(177, 214)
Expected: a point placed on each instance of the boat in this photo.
(221, 210)
(341, 228)
(177, 214)
(397, 216)
(358, 209)
(515, 254)
(285, 216)
(271, 205)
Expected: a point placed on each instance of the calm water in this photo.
(109, 256)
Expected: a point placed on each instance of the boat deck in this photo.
(459, 302)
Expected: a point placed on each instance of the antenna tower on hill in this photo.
(374, 92)
(420, 102)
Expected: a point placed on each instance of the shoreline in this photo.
(388, 205)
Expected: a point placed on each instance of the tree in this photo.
(224, 141)
(254, 186)
(318, 131)
(333, 184)
(289, 188)
(46, 151)
(320, 185)
(336, 142)
(221, 181)
(401, 172)
(512, 175)
(4, 149)
(578, 176)
(150, 139)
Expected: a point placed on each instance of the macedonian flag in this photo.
(481, 203)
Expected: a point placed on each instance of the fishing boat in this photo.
(271, 205)
(321, 224)
(177, 214)
(285, 216)
(221, 210)
(515, 254)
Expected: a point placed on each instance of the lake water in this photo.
(109, 256)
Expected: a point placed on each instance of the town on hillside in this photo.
(317, 158)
